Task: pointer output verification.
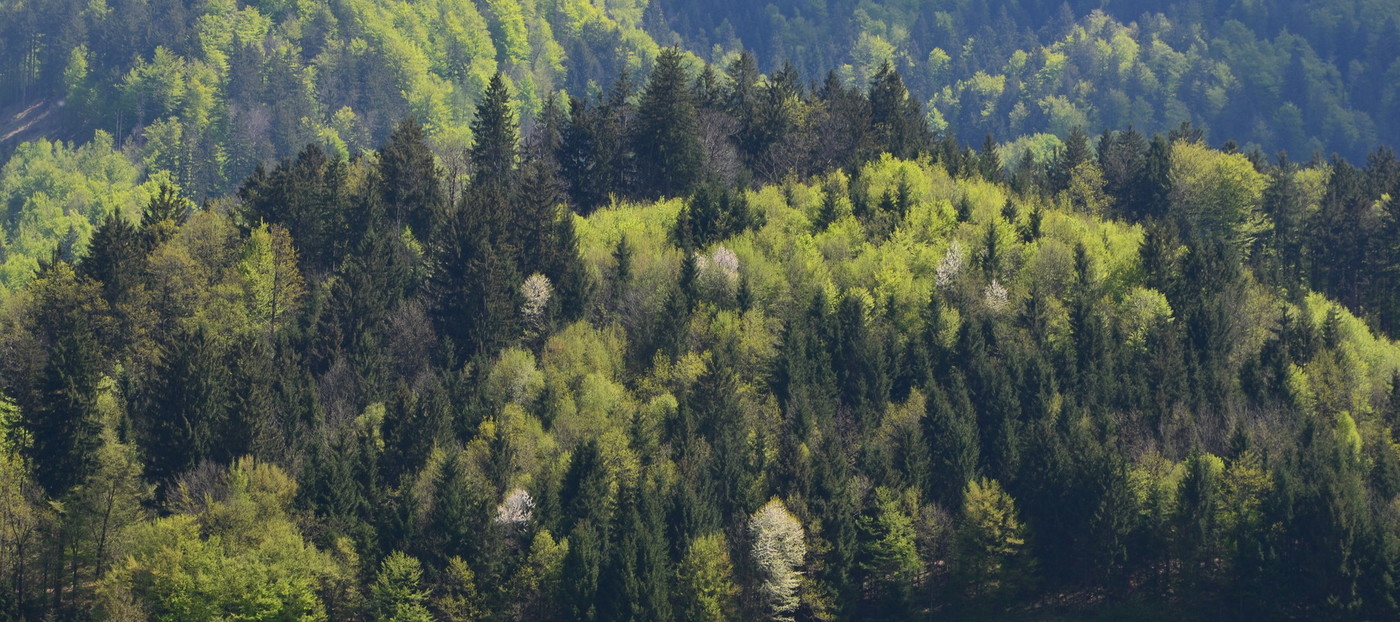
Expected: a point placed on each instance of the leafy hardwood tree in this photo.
(397, 594)
(991, 542)
(705, 576)
(779, 548)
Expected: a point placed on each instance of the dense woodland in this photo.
(671, 339)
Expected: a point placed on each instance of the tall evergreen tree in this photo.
(59, 401)
(897, 120)
(666, 136)
(187, 415)
(410, 181)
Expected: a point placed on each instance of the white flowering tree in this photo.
(517, 509)
(950, 266)
(536, 293)
(779, 547)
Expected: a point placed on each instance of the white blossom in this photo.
(951, 265)
(719, 270)
(536, 291)
(995, 296)
(517, 510)
(779, 548)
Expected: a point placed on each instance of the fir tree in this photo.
(666, 137)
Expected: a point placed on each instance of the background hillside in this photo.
(1298, 76)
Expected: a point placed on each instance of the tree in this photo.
(1217, 195)
(232, 551)
(163, 215)
(397, 594)
(705, 580)
(25, 518)
(990, 542)
(309, 195)
(116, 258)
(272, 283)
(187, 407)
(953, 436)
(897, 120)
(410, 180)
(779, 549)
(1074, 153)
(455, 598)
(889, 557)
(494, 153)
(59, 405)
(666, 136)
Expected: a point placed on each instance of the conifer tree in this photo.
(410, 181)
(163, 215)
(897, 120)
(187, 416)
(116, 258)
(58, 402)
(1074, 152)
(666, 136)
(494, 151)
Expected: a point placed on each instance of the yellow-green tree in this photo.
(990, 544)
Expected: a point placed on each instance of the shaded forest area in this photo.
(712, 345)
(1306, 77)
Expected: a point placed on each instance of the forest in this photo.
(555, 310)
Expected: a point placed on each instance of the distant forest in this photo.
(451, 310)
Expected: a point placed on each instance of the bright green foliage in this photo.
(890, 556)
(1219, 194)
(991, 541)
(397, 594)
(706, 577)
(52, 188)
(822, 382)
(239, 556)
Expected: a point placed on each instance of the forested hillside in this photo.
(711, 346)
(1321, 76)
(564, 310)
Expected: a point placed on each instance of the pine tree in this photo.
(952, 434)
(988, 161)
(897, 120)
(116, 258)
(309, 195)
(494, 153)
(582, 566)
(666, 136)
(59, 403)
(187, 415)
(410, 181)
(165, 213)
(1074, 152)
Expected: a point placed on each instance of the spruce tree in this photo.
(187, 414)
(494, 150)
(897, 120)
(666, 136)
(116, 258)
(410, 181)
